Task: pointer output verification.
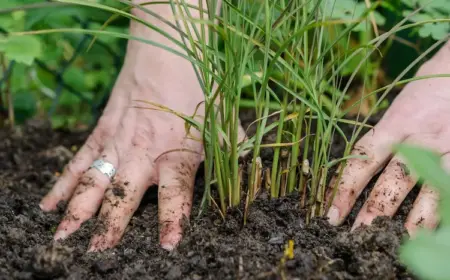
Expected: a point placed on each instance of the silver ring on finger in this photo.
(105, 167)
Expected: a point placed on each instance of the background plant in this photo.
(432, 10)
(52, 74)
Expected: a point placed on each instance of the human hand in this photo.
(419, 115)
(131, 140)
(146, 147)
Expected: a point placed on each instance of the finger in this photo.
(92, 185)
(64, 187)
(92, 148)
(87, 196)
(388, 193)
(394, 184)
(176, 186)
(376, 145)
(424, 213)
(121, 200)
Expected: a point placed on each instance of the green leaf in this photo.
(58, 121)
(25, 105)
(22, 49)
(435, 30)
(53, 53)
(429, 6)
(428, 253)
(69, 101)
(10, 4)
(444, 211)
(427, 164)
(74, 77)
(20, 78)
(8, 23)
(417, 17)
(96, 78)
(350, 10)
(388, 6)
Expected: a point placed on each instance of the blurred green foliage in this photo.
(40, 59)
(40, 70)
(427, 254)
(437, 9)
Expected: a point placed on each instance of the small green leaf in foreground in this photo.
(22, 49)
(426, 164)
(427, 255)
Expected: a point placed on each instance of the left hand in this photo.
(146, 147)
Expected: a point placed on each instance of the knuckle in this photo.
(177, 184)
(347, 192)
(375, 207)
(94, 142)
(362, 150)
(86, 183)
(141, 138)
(97, 138)
(104, 128)
(74, 168)
(177, 181)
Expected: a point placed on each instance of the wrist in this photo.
(155, 68)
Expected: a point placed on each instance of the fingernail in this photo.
(168, 247)
(92, 245)
(333, 215)
(62, 234)
(356, 225)
(44, 206)
(91, 249)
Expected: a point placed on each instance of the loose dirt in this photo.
(31, 157)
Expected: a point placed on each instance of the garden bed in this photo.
(211, 249)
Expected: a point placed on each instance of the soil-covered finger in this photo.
(87, 197)
(356, 174)
(424, 212)
(175, 190)
(66, 184)
(83, 205)
(390, 190)
(121, 200)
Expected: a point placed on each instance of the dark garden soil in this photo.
(211, 249)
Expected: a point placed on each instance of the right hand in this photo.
(419, 115)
